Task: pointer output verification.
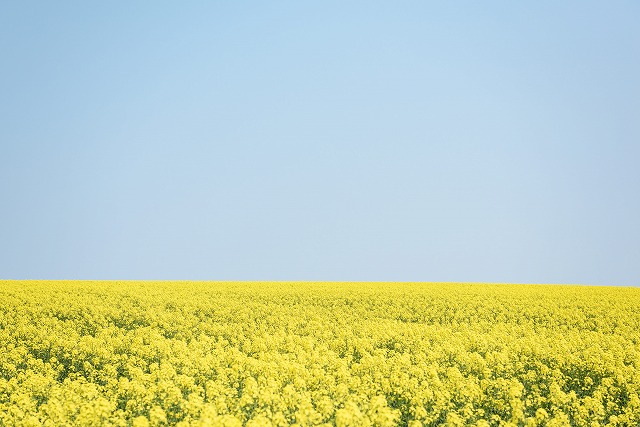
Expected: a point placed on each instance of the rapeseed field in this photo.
(307, 354)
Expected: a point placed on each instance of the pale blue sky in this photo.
(288, 140)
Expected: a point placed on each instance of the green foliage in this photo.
(352, 354)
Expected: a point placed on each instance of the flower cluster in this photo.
(307, 354)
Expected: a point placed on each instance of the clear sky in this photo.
(300, 140)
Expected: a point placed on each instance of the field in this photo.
(344, 354)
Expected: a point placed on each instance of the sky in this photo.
(491, 141)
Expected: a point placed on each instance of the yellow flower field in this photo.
(344, 354)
